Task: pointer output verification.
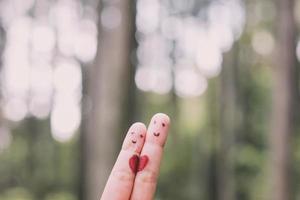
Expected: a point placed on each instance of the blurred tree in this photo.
(283, 121)
(2, 46)
(2, 41)
(106, 95)
(228, 125)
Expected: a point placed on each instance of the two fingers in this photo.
(134, 175)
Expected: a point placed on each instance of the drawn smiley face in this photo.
(157, 133)
(135, 137)
(158, 129)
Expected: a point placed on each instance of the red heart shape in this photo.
(143, 162)
(133, 163)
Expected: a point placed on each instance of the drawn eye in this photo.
(132, 133)
(154, 121)
(141, 136)
(163, 124)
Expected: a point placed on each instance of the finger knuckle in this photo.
(123, 176)
(148, 177)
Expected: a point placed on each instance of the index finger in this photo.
(121, 179)
(150, 159)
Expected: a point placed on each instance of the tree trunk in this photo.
(105, 93)
(228, 125)
(283, 102)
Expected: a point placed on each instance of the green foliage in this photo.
(17, 193)
(35, 164)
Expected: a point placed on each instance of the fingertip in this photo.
(162, 117)
(139, 126)
(135, 137)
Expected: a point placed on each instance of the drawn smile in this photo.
(133, 141)
(156, 134)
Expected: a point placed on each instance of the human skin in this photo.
(135, 173)
(121, 179)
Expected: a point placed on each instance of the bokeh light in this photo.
(43, 38)
(168, 35)
(40, 106)
(15, 109)
(189, 84)
(65, 119)
(157, 80)
(67, 76)
(42, 59)
(263, 42)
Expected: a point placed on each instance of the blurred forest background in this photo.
(76, 73)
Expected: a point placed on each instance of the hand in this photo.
(134, 175)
